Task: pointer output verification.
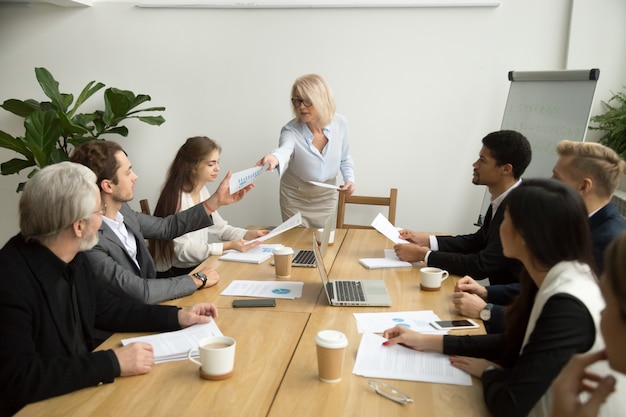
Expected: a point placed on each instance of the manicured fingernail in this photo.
(386, 343)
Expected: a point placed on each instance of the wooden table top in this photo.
(275, 365)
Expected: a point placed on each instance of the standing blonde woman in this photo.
(312, 147)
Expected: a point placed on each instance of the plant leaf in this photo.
(119, 130)
(15, 165)
(89, 90)
(19, 107)
(15, 144)
(58, 155)
(50, 87)
(117, 105)
(43, 130)
(70, 128)
(153, 120)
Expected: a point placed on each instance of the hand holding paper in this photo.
(383, 225)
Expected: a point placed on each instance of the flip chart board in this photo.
(547, 107)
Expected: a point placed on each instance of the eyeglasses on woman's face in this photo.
(296, 101)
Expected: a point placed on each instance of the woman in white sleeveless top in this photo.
(555, 316)
(583, 375)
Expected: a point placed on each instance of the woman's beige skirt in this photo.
(315, 203)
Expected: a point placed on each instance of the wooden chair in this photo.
(145, 206)
(367, 200)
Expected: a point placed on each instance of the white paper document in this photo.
(373, 360)
(295, 220)
(414, 320)
(242, 179)
(324, 185)
(173, 346)
(264, 289)
(390, 260)
(254, 256)
(383, 225)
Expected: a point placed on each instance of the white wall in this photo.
(420, 87)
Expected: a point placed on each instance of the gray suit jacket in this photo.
(120, 274)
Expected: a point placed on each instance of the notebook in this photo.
(367, 292)
(306, 257)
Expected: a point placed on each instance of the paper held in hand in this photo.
(324, 185)
(242, 179)
(295, 220)
(391, 232)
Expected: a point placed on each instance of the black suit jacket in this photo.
(35, 347)
(478, 255)
(606, 224)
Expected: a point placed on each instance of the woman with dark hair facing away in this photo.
(555, 315)
(195, 164)
(588, 373)
(312, 147)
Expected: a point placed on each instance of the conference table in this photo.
(275, 367)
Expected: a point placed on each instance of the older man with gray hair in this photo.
(50, 302)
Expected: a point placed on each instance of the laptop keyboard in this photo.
(305, 257)
(349, 291)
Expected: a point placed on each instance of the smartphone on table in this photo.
(255, 302)
(454, 324)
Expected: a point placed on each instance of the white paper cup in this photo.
(282, 262)
(331, 346)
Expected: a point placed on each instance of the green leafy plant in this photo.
(613, 123)
(54, 128)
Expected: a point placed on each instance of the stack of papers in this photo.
(373, 360)
(265, 289)
(174, 346)
(389, 261)
(254, 256)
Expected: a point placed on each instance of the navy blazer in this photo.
(35, 348)
(478, 255)
(606, 224)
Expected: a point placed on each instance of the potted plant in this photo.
(613, 123)
(53, 128)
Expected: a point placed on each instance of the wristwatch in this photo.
(485, 313)
(203, 278)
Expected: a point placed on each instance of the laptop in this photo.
(367, 292)
(306, 257)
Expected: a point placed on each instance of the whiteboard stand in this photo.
(547, 107)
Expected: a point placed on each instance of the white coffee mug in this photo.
(431, 278)
(217, 357)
